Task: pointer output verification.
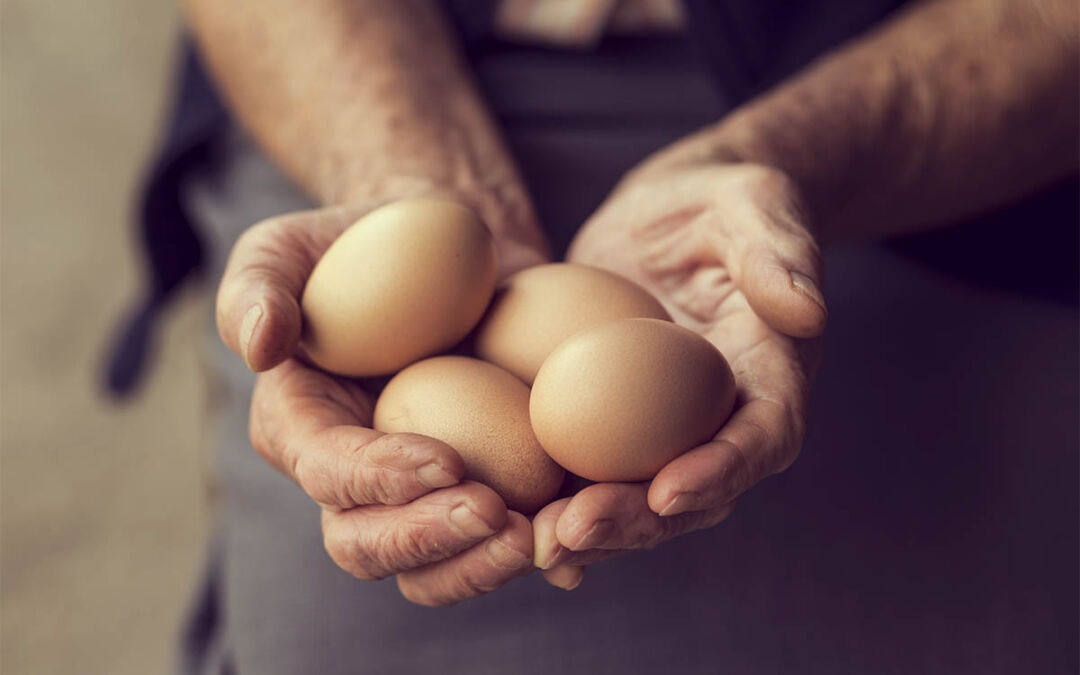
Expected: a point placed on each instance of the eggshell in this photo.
(541, 306)
(618, 401)
(481, 411)
(408, 280)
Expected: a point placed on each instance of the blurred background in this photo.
(102, 503)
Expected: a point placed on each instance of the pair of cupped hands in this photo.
(727, 250)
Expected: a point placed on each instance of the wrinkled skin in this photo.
(392, 504)
(725, 247)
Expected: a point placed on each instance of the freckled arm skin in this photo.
(949, 108)
(363, 99)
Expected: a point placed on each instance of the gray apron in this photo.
(928, 527)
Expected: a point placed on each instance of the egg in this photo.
(481, 411)
(408, 280)
(541, 306)
(618, 401)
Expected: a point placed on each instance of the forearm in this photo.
(953, 107)
(362, 99)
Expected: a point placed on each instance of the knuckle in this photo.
(391, 550)
(790, 445)
(387, 451)
(313, 477)
(267, 438)
(716, 516)
(741, 469)
(269, 251)
(350, 555)
(469, 584)
(336, 550)
(370, 559)
(797, 425)
(416, 543)
(746, 468)
(764, 184)
(268, 232)
(257, 434)
(416, 593)
(221, 316)
(372, 486)
(358, 484)
(403, 544)
(763, 440)
(697, 520)
(788, 457)
(254, 234)
(373, 475)
(649, 541)
(269, 448)
(338, 474)
(803, 247)
(812, 250)
(680, 525)
(448, 588)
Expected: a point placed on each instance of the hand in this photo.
(392, 504)
(726, 248)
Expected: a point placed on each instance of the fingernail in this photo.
(470, 524)
(600, 532)
(551, 559)
(505, 556)
(432, 475)
(680, 503)
(568, 578)
(808, 288)
(248, 326)
(575, 580)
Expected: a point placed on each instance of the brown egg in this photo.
(619, 401)
(408, 280)
(481, 411)
(540, 307)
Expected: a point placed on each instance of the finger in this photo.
(777, 265)
(617, 516)
(313, 428)
(374, 542)
(784, 293)
(588, 557)
(480, 570)
(566, 577)
(762, 438)
(547, 551)
(258, 308)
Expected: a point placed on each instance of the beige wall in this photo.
(102, 505)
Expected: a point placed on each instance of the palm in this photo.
(721, 248)
(677, 251)
(389, 500)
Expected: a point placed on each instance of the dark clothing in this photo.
(746, 46)
(930, 525)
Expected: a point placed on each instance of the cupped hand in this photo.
(392, 504)
(727, 249)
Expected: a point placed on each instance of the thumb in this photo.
(258, 300)
(783, 285)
